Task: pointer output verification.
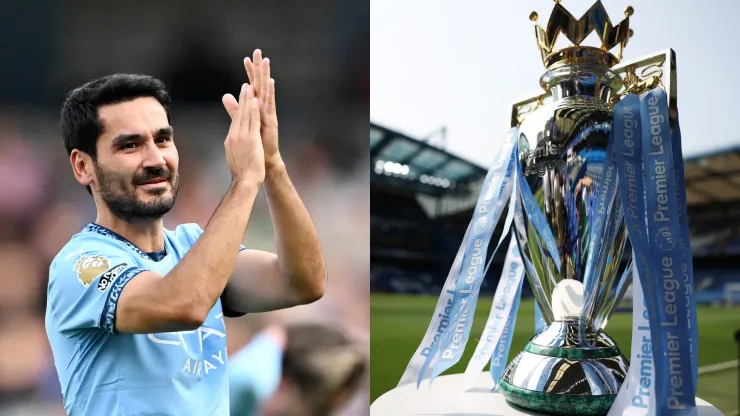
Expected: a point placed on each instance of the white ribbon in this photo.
(637, 395)
(511, 279)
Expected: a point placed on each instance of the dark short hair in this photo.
(80, 125)
(322, 360)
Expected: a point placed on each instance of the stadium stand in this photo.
(421, 202)
(712, 193)
(412, 185)
(422, 199)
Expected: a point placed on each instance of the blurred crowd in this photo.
(323, 110)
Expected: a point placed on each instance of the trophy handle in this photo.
(638, 75)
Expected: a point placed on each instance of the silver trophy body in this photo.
(573, 366)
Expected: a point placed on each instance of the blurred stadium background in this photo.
(422, 198)
(320, 59)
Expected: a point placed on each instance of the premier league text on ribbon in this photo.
(450, 326)
(477, 257)
(634, 211)
(444, 322)
(659, 181)
(644, 142)
(641, 399)
(502, 318)
(660, 268)
(464, 290)
(630, 126)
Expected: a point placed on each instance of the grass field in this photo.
(398, 324)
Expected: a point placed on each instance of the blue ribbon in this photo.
(639, 130)
(628, 147)
(600, 210)
(543, 233)
(468, 284)
(675, 384)
(537, 218)
(500, 356)
(688, 264)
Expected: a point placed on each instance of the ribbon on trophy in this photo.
(643, 165)
(468, 283)
(497, 333)
(663, 374)
(450, 325)
(687, 261)
(600, 235)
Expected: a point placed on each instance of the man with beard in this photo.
(135, 311)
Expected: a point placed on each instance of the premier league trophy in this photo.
(592, 162)
(573, 366)
(563, 146)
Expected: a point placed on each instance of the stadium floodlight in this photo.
(435, 181)
(379, 167)
(389, 168)
(395, 168)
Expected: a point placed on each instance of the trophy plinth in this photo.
(564, 373)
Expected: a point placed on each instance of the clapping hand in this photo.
(258, 73)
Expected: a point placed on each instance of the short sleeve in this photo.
(85, 286)
(192, 233)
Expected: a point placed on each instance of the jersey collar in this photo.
(99, 229)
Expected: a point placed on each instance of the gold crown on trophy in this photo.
(595, 19)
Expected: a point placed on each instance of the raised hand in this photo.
(245, 155)
(264, 87)
(258, 73)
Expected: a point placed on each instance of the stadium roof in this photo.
(713, 177)
(413, 164)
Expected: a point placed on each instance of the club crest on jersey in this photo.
(89, 267)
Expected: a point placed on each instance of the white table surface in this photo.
(447, 397)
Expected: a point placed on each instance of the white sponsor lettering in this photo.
(108, 277)
(180, 339)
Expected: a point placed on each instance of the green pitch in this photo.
(398, 324)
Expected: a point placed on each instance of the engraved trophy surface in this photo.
(572, 366)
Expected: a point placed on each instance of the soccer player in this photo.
(135, 312)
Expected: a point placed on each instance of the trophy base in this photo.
(560, 372)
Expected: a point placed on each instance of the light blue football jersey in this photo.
(103, 372)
